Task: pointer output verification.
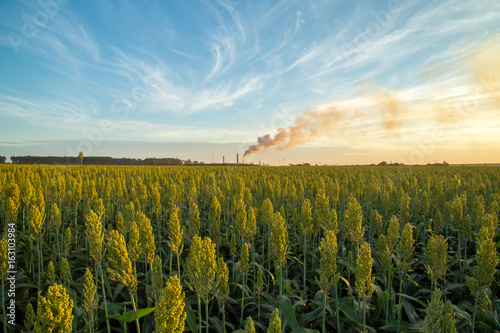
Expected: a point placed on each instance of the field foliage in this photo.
(296, 249)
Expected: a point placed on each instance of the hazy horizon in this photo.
(330, 82)
(214, 152)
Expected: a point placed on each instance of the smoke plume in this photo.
(309, 126)
(314, 124)
(378, 111)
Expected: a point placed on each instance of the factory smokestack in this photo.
(237, 159)
(223, 160)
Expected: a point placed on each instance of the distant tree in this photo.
(383, 163)
(80, 155)
(2, 159)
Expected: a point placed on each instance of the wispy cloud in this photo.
(190, 67)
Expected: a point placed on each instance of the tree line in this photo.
(92, 160)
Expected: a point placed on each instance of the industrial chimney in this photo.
(223, 160)
(237, 159)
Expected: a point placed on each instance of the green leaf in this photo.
(130, 315)
(277, 271)
(404, 327)
(106, 282)
(410, 311)
(313, 315)
(304, 330)
(190, 317)
(413, 299)
(350, 313)
(288, 312)
(452, 286)
(111, 307)
(217, 323)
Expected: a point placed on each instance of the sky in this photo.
(322, 82)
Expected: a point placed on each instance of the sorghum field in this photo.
(254, 249)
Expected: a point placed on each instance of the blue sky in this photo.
(410, 81)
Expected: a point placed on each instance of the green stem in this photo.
(313, 254)
(39, 264)
(304, 251)
(253, 263)
(76, 224)
(360, 310)
(58, 244)
(465, 257)
(324, 312)
(281, 278)
(135, 312)
(179, 266)
(104, 296)
(258, 308)
(364, 317)
(31, 268)
(444, 288)
(199, 314)
(337, 308)
(399, 307)
(388, 295)
(206, 317)
(460, 260)
(474, 312)
(224, 317)
(243, 297)
(170, 271)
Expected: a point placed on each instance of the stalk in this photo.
(179, 266)
(76, 225)
(242, 297)
(444, 288)
(32, 264)
(39, 269)
(360, 310)
(304, 251)
(388, 295)
(264, 234)
(399, 308)
(58, 243)
(258, 308)
(337, 308)
(324, 312)
(170, 271)
(465, 257)
(253, 263)
(474, 312)
(460, 259)
(199, 314)
(281, 282)
(313, 255)
(364, 317)
(135, 312)
(104, 297)
(224, 317)
(206, 316)
(159, 228)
